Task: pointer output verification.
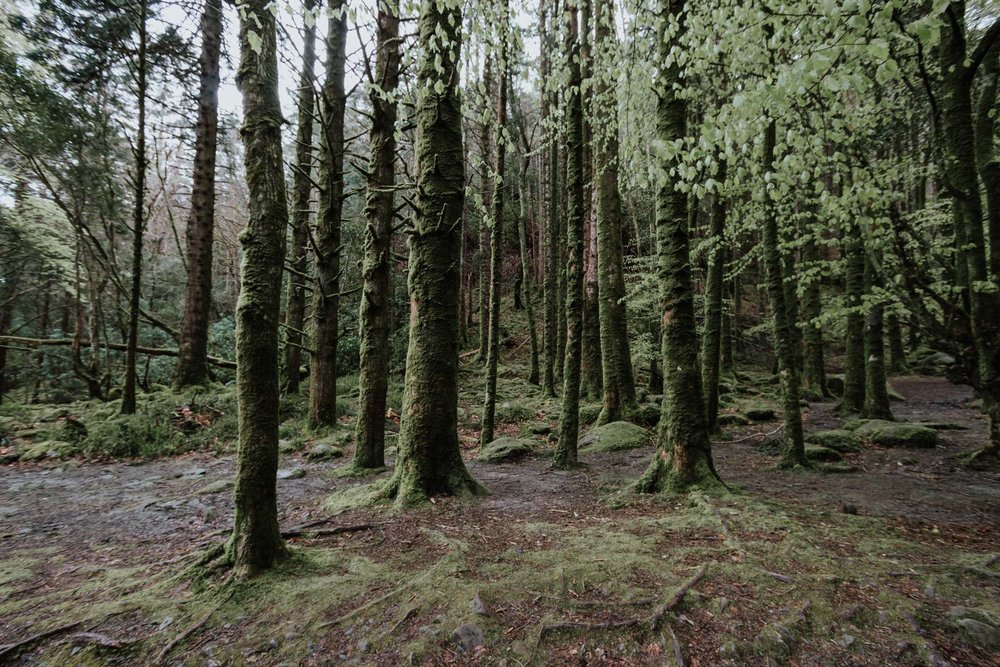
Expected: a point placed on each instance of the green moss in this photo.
(513, 412)
(505, 449)
(896, 434)
(840, 440)
(614, 437)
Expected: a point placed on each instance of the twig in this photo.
(678, 596)
(337, 530)
(409, 614)
(11, 649)
(780, 577)
(191, 629)
(754, 435)
(678, 653)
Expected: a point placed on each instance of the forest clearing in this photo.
(499, 332)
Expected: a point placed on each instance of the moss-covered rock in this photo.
(323, 451)
(896, 434)
(505, 449)
(590, 413)
(512, 412)
(614, 437)
(980, 627)
(49, 449)
(820, 453)
(840, 440)
(761, 414)
(539, 428)
(733, 419)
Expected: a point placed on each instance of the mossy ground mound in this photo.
(840, 440)
(820, 453)
(895, 434)
(614, 437)
(505, 449)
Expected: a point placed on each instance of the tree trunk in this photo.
(616, 354)
(486, 192)
(897, 353)
(550, 210)
(326, 298)
(295, 311)
(375, 319)
(496, 234)
(562, 243)
(256, 542)
(711, 351)
(684, 457)
(430, 461)
(529, 283)
(853, 399)
(128, 404)
(192, 365)
(814, 363)
(876, 393)
(793, 448)
(569, 418)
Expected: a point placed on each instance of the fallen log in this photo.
(21, 342)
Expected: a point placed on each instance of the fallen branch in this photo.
(193, 628)
(318, 532)
(678, 653)
(11, 649)
(678, 596)
(97, 639)
(16, 341)
(754, 435)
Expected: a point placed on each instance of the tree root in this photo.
(9, 650)
(193, 628)
(308, 530)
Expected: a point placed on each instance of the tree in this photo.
(429, 461)
(711, 354)
(569, 418)
(876, 404)
(853, 398)
(326, 297)
(256, 542)
(550, 207)
(683, 456)
(192, 364)
(376, 295)
(295, 311)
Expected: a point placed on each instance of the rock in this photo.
(540, 428)
(820, 453)
(942, 426)
(840, 440)
(505, 449)
(614, 437)
(215, 487)
(846, 641)
(480, 607)
(322, 451)
(191, 473)
(590, 413)
(513, 412)
(980, 626)
(468, 636)
(897, 434)
(292, 473)
(759, 414)
(733, 419)
(48, 449)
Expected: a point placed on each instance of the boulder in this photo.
(614, 437)
(840, 440)
(820, 453)
(540, 428)
(505, 449)
(322, 451)
(469, 637)
(981, 627)
(897, 434)
(733, 419)
(513, 412)
(215, 487)
(761, 414)
(291, 473)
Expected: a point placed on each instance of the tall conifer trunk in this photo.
(375, 320)
(591, 370)
(814, 363)
(256, 542)
(711, 351)
(326, 298)
(876, 394)
(192, 361)
(853, 399)
(550, 210)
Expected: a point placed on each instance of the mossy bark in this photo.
(256, 542)
(683, 459)
(534, 371)
(496, 237)
(728, 364)
(814, 363)
(711, 351)
(550, 212)
(876, 393)
(192, 361)
(853, 398)
(897, 352)
(302, 187)
(375, 317)
(562, 249)
(326, 297)
(486, 192)
(616, 354)
(430, 461)
(569, 418)
(793, 448)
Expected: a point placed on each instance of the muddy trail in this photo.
(864, 566)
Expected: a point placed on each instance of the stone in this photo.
(897, 434)
(590, 413)
(215, 487)
(480, 607)
(322, 451)
(759, 414)
(733, 419)
(468, 636)
(292, 473)
(505, 449)
(820, 453)
(287, 446)
(840, 440)
(48, 449)
(983, 635)
(615, 437)
(540, 428)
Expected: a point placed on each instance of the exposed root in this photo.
(194, 627)
(9, 650)
(308, 530)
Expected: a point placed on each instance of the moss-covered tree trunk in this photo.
(326, 297)
(616, 354)
(562, 236)
(128, 404)
(496, 234)
(486, 146)
(711, 351)
(256, 542)
(429, 461)
(876, 393)
(192, 360)
(729, 312)
(534, 373)
(793, 448)
(683, 456)
(295, 309)
(550, 208)
(897, 351)
(814, 363)
(375, 318)
(569, 418)
(853, 399)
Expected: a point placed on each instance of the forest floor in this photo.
(894, 562)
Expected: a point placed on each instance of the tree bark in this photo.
(256, 542)
(853, 399)
(375, 319)
(711, 351)
(486, 192)
(326, 298)
(302, 185)
(550, 210)
(591, 373)
(683, 456)
(814, 363)
(529, 282)
(569, 419)
(876, 393)
(192, 365)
